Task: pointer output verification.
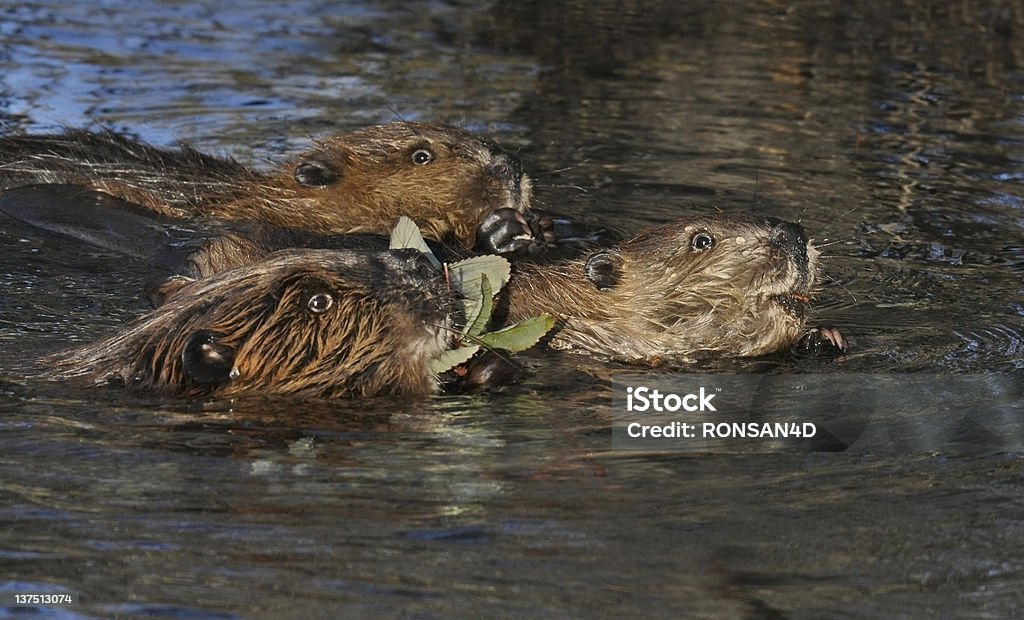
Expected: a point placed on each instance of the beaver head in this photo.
(363, 181)
(733, 284)
(313, 322)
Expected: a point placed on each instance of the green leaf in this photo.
(451, 358)
(406, 235)
(472, 304)
(477, 280)
(465, 274)
(478, 310)
(520, 336)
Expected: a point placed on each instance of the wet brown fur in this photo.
(391, 314)
(743, 297)
(362, 181)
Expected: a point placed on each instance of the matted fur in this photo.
(743, 297)
(375, 179)
(390, 315)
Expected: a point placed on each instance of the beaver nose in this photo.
(506, 167)
(789, 237)
(411, 263)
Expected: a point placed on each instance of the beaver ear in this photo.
(604, 269)
(206, 360)
(316, 173)
(157, 291)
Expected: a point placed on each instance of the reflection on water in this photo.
(893, 131)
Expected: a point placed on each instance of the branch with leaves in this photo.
(476, 281)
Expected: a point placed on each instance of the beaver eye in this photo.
(422, 156)
(320, 303)
(702, 242)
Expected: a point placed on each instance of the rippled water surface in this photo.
(894, 131)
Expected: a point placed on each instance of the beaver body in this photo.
(316, 323)
(730, 284)
(449, 180)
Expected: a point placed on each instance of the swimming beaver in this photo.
(459, 187)
(315, 323)
(733, 284)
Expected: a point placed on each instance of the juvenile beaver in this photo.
(450, 181)
(315, 323)
(732, 284)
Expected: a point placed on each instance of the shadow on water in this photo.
(892, 131)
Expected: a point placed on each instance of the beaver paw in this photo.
(491, 370)
(822, 341)
(507, 231)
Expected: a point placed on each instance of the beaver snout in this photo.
(411, 263)
(789, 237)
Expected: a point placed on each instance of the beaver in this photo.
(731, 283)
(461, 188)
(318, 323)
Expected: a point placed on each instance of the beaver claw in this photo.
(822, 341)
(507, 231)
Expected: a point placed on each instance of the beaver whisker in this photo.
(395, 112)
(826, 244)
(842, 286)
(456, 332)
(578, 188)
(544, 173)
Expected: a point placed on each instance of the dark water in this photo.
(893, 131)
